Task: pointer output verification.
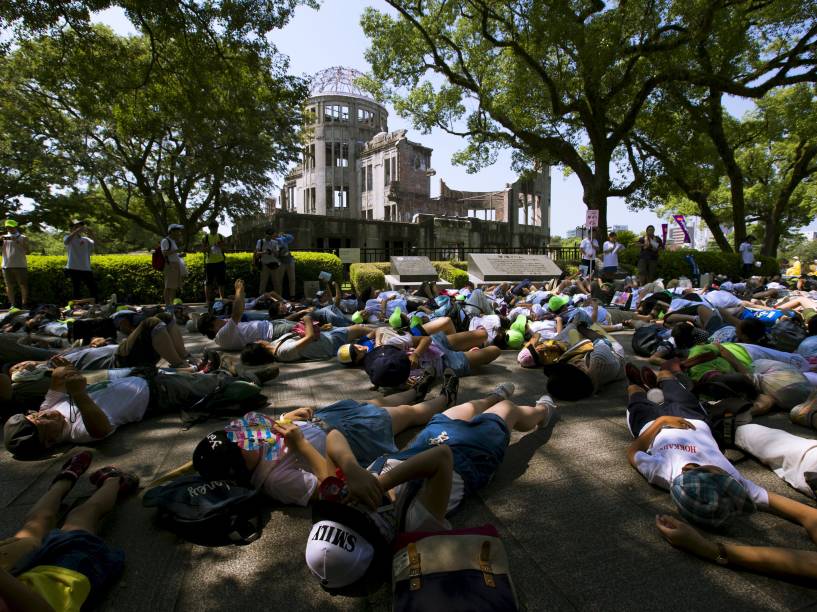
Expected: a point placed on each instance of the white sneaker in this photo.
(550, 407)
(504, 390)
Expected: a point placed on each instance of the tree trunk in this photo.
(711, 221)
(771, 238)
(595, 198)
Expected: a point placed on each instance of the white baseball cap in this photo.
(337, 554)
(174, 226)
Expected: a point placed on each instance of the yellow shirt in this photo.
(65, 590)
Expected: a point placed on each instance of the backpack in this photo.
(647, 338)
(786, 335)
(213, 513)
(725, 416)
(157, 258)
(463, 570)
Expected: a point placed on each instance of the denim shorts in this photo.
(366, 427)
(478, 445)
(82, 552)
(456, 360)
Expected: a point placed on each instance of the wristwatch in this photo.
(722, 558)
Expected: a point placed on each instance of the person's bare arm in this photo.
(762, 559)
(436, 467)
(238, 301)
(19, 597)
(643, 442)
(796, 512)
(96, 422)
(295, 440)
(363, 485)
(421, 344)
(732, 360)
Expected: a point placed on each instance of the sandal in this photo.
(74, 467)
(424, 382)
(128, 483)
(649, 377)
(451, 385)
(633, 375)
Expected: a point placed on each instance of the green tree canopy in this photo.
(198, 140)
(564, 82)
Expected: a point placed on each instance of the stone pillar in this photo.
(513, 213)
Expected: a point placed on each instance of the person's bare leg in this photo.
(463, 341)
(414, 415)
(87, 516)
(357, 331)
(395, 399)
(42, 518)
(520, 418)
(170, 294)
(468, 410)
(482, 356)
(443, 324)
(164, 345)
(24, 292)
(729, 317)
(178, 340)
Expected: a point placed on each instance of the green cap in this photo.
(357, 317)
(395, 320)
(415, 321)
(557, 302)
(11, 223)
(515, 339)
(520, 324)
(177, 301)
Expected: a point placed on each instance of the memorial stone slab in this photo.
(497, 267)
(413, 269)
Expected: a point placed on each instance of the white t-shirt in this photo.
(124, 400)
(610, 257)
(490, 323)
(170, 250)
(14, 252)
(288, 478)
(722, 299)
(746, 253)
(79, 252)
(588, 248)
(235, 336)
(673, 448)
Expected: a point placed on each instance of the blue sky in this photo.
(332, 36)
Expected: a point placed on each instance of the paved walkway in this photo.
(577, 520)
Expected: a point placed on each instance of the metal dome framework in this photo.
(338, 80)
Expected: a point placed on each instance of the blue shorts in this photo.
(337, 336)
(366, 427)
(478, 445)
(82, 552)
(456, 360)
(332, 315)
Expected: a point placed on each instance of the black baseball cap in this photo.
(204, 323)
(387, 366)
(217, 457)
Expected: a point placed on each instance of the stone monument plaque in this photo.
(413, 269)
(496, 267)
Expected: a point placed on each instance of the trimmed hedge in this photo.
(373, 274)
(671, 264)
(364, 275)
(451, 273)
(132, 277)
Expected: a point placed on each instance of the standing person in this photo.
(80, 244)
(175, 270)
(287, 261)
(610, 255)
(588, 248)
(648, 257)
(747, 256)
(215, 264)
(266, 250)
(15, 265)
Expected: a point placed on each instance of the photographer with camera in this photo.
(79, 244)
